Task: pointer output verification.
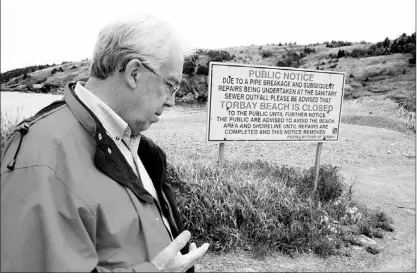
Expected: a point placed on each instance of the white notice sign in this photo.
(255, 102)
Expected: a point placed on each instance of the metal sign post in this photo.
(221, 154)
(317, 165)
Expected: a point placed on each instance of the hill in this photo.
(386, 68)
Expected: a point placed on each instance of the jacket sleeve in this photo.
(45, 227)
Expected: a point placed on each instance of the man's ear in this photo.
(131, 72)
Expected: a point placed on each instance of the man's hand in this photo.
(171, 260)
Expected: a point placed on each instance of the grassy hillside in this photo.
(383, 69)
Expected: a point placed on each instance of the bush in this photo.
(266, 208)
(217, 59)
(412, 60)
(53, 71)
(266, 53)
(308, 50)
(340, 54)
(220, 55)
(202, 70)
(189, 66)
(292, 59)
(358, 53)
(337, 44)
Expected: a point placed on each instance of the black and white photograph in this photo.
(208, 136)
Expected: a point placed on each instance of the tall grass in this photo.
(263, 207)
(7, 126)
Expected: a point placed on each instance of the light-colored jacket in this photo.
(71, 202)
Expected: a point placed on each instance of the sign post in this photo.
(317, 166)
(221, 154)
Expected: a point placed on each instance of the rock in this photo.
(374, 249)
(37, 86)
(202, 79)
(366, 241)
(22, 87)
(187, 98)
(53, 84)
(40, 80)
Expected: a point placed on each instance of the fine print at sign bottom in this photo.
(252, 102)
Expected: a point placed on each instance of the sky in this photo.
(52, 31)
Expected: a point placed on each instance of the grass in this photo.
(7, 126)
(261, 207)
(264, 207)
(380, 122)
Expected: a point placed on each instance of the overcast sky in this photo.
(35, 32)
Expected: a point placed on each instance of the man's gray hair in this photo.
(146, 38)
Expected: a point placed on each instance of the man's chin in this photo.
(142, 127)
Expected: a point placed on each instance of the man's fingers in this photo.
(192, 247)
(203, 249)
(179, 242)
(197, 253)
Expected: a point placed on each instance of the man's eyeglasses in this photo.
(174, 87)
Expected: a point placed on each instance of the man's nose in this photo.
(170, 101)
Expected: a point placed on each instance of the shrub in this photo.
(358, 53)
(189, 66)
(337, 44)
(266, 53)
(292, 59)
(265, 209)
(54, 71)
(217, 59)
(340, 54)
(308, 50)
(220, 55)
(330, 184)
(412, 60)
(373, 250)
(202, 69)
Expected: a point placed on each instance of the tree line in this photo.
(5, 77)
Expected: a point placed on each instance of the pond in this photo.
(16, 106)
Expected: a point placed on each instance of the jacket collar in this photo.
(108, 157)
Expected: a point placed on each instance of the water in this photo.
(16, 106)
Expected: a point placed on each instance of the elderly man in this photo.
(81, 188)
